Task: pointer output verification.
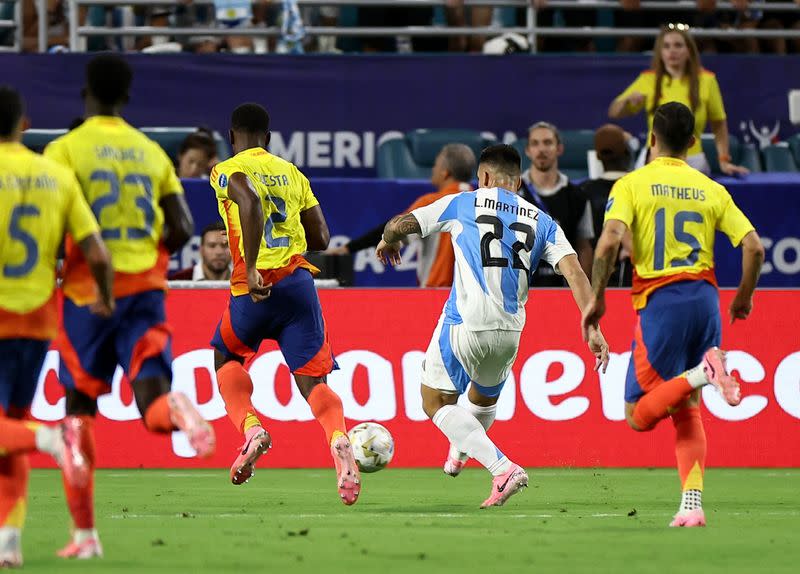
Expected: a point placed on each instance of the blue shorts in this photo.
(136, 337)
(20, 365)
(679, 324)
(291, 315)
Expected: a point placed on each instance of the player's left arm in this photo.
(178, 222)
(316, 228)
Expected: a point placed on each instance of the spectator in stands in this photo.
(611, 147)
(632, 16)
(452, 172)
(479, 16)
(676, 75)
(215, 257)
(544, 185)
(769, 20)
(195, 155)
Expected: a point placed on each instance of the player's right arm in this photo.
(83, 228)
(178, 222)
(251, 216)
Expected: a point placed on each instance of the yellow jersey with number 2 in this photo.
(284, 194)
(124, 176)
(673, 212)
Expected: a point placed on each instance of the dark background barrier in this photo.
(771, 201)
(329, 112)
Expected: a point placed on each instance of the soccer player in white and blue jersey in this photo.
(498, 239)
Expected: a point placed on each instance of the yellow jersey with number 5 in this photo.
(673, 212)
(284, 193)
(124, 176)
(39, 201)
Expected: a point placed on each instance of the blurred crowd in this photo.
(287, 21)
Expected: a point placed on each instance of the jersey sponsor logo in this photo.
(223, 180)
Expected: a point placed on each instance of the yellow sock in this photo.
(335, 435)
(250, 421)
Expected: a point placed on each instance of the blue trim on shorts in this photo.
(458, 375)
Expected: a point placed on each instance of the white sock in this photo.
(691, 500)
(697, 377)
(467, 434)
(48, 439)
(485, 416)
(10, 539)
(82, 534)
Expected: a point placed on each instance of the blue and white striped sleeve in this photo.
(438, 216)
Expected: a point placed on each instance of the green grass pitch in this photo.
(419, 520)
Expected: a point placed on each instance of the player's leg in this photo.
(488, 369)
(453, 353)
(303, 340)
(143, 344)
(237, 337)
(88, 362)
(482, 408)
(660, 350)
(690, 437)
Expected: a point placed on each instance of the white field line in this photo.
(127, 516)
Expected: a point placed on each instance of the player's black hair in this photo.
(216, 226)
(250, 118)
(12, 108)
(109, 77)
(673, 124)
(503, 158)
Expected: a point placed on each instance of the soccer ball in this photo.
(373, 446)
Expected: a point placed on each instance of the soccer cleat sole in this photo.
(245, 471)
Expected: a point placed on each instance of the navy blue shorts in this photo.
(679, 324)
(136, 337)
(291, 315)
(20, 365)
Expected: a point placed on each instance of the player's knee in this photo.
(632, 423)
(221, 360)
(146, 391)
(80, 404)
(306, 384)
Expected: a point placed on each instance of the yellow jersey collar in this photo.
(671, 161)
(253, 151)
(12, 147)
(106, 121)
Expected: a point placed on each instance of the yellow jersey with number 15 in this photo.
(124, 176)
(39, 201)
(284, 194)
(673, 212)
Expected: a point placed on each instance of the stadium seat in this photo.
(794, 145)
(710, 149)
(168, 138)
(778, 157)
(750, 158)
(412, 155)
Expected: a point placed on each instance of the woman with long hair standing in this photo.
(677, 76)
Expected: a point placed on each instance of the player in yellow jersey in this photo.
(131, 186)
(673, 212)
(39, 201)
(272, 218)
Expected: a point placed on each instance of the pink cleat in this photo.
(256, 442)
(69, 455)
(348, 479)
(454, 466)
(506, 485)
(185, 416)
(89, 548)
(717, 375)
(689, 518)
